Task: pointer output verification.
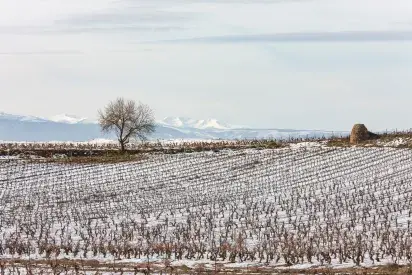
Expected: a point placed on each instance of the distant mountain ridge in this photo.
(71, 119)
(71, 128)
(178, 122)
(184, 122)
(13, 117)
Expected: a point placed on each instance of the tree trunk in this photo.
(122, 146)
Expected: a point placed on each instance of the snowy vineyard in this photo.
(284, 207)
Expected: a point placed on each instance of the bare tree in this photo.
(128, 120)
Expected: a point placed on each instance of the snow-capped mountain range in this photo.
(70, 119)
(12, 117)
(178, 122)
(66, 127)
(183, 122)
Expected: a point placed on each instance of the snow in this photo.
(184, 122)
(307, 145)
(8, 157)
(394, 143)
(7, 116)
(100, 141)
(210, 123)
(61, 118)
(70, 119)
(347, 190)
(179, 122)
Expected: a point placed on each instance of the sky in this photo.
(303, 64)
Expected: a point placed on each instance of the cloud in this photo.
(129, 16)
(349, 36)
(48, 52)
(284, 63)
(126, 18)
(70, 29)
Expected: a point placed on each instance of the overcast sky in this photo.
(312, 64)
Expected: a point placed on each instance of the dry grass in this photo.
(374, 141)
(156, 268)
(83, 156)
(112, 155)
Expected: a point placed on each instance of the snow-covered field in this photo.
(297, 207)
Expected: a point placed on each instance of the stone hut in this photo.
(359, 133)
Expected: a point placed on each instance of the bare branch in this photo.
(127, 120)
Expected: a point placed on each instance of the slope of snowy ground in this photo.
(301, 206)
